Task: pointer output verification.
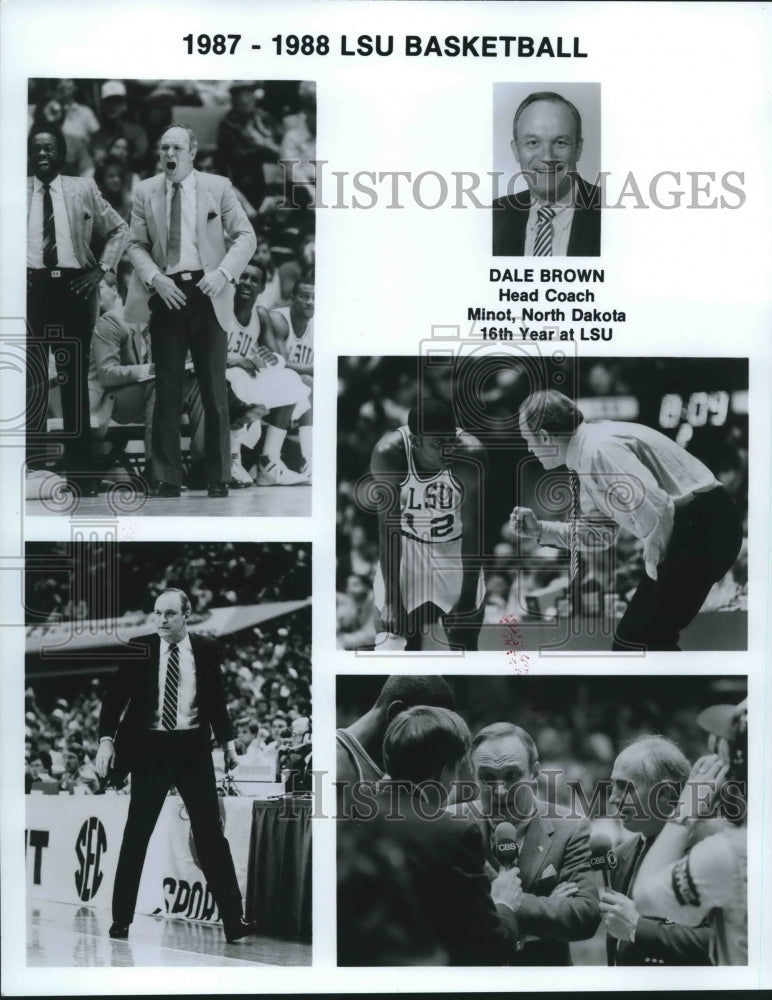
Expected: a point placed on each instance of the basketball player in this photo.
(293, 339)
(261, 380)
(430, 530)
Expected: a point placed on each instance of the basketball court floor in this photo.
(255, 501)
(65, 936)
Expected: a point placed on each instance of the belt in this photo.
(186, 277)
(52, 272)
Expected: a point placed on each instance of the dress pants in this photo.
(181, 759)
(60, 321)
(173, 332)
(706, 540)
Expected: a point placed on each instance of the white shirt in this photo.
(187, 700)
(65, 252)
(561, 224)
(711, 880)
(189, 256)
(634, 476)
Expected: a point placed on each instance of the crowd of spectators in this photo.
(266, 668)
(376, 394)
(259, 134)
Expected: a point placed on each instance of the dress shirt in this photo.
(189, 257)
(561, 224)
(635, 476)
(65, 252)
(187, 702)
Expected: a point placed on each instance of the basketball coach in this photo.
(558, 215)
(189, 241)
(172, 699)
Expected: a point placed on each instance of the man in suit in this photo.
(173, 697)
(437, 905)
(559, 901)
(189, 242)
(559, 213)
(64, 214)
(121, 382)
(647, 779)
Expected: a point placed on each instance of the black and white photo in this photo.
(552, 204)
(168, 732)
(170, 280)
(481, 507)
(542, 821)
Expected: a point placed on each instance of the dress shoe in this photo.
(161, 490)
(237, 929)
(217, 490)
(119, 930)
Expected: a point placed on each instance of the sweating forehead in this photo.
(508, 751)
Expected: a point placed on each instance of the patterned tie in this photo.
(169, 711)
(175, 226)
(543, 245)
(50, 258)
(576, 581)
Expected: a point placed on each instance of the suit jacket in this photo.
(435, 893)
(88, 212)
(116, 355)
(134, 688)
(225, 238)
(510, 218)
(556, 849)
(657, 942)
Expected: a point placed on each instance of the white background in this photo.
(684, 88)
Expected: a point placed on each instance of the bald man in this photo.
(558, 215)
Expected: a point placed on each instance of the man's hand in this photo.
(231, 759)
(247, 364)
(212, 283)
(265, 357)
(701, 792)
(619, 914)
(506, 888)
(104, 758)
(172, 296)
(523, 521)
(84, 283)
(564, 889)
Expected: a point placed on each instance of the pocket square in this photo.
(548, 872)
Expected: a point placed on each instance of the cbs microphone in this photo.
(602, 857)
(505, 845)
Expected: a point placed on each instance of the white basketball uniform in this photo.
(430, 569)
(300, 350)
(269, 387)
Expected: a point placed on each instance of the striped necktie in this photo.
(175, 226)
(576, 581)
(171, 688)
(50, 258)
(543, 245)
